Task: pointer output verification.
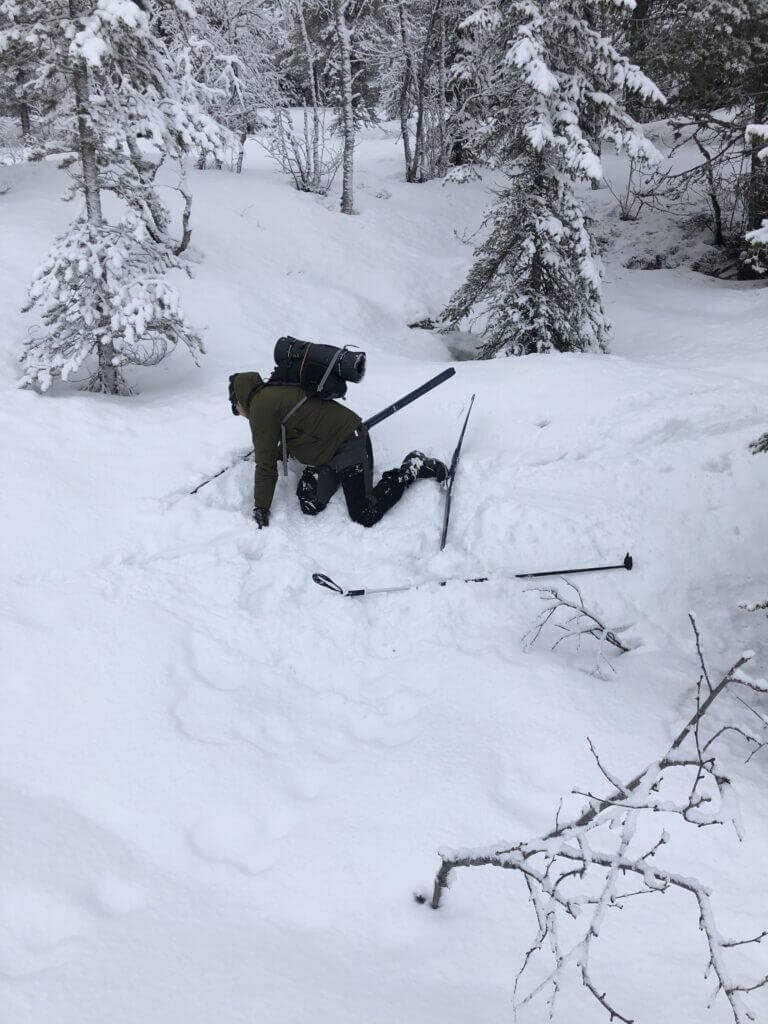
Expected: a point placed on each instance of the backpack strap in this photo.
(283, 436)
(329, 368)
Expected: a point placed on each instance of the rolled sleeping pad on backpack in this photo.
(305, 363)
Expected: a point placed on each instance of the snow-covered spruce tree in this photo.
(549, 87)
(132, 105)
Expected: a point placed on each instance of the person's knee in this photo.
(310, 507)
(316, 487)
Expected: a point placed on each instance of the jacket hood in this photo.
(246, 386)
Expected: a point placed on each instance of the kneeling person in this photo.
(332, 443)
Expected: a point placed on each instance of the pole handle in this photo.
(325, 581)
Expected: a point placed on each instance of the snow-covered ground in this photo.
(220, 786)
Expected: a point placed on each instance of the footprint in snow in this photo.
(390, 726)
(116, 896)
(205, 715)
(62, 876)
(37, 929)
(234, 836)
(722, 464)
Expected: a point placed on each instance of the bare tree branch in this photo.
(578, 868)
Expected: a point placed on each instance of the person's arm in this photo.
(265, 431)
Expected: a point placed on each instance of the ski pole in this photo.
(240, 458)
(452, 477)
(401, 403)
(325, 581)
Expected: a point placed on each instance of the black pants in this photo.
(352, 467)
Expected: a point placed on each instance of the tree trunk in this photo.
(26, 120)
(348, 121)
(405, 130)
(24, 112)
(712, 197)
(757, 187)
(421, 98)
(404, 95)
(757, 206)
(637, 29)
(146, 171)
(638, 37)
(312, 81)
(108, 376)
(186, 230)
(241, 152)
(87, 146)
(442, 159)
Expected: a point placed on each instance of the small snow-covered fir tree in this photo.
(133, 104)
(100, 291)
(536, 277)
(548, 87)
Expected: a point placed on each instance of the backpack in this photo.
(322, 371)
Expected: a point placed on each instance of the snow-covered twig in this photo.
(580, 622)
(307, 157)
(630, 197)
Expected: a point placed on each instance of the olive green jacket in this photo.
(313, 433)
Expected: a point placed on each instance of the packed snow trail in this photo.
(219, 785)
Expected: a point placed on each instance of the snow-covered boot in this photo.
(418, 466)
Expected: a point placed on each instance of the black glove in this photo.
(261, 516)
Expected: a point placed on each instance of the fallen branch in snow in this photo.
(580, 621)
(581, 866)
